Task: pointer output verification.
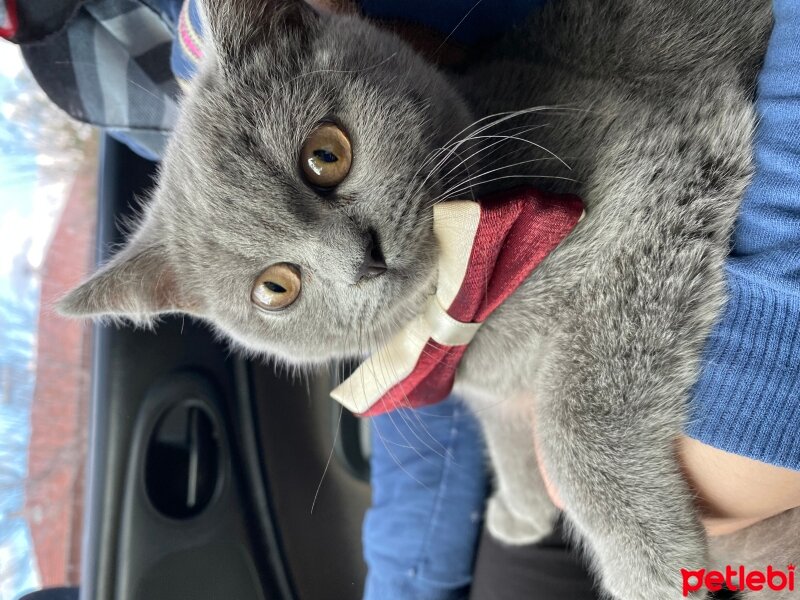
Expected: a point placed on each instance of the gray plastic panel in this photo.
(130, 551)
(202, 556)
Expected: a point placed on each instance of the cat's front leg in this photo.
(519, 510)
(608, 445)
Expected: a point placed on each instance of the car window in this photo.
(47, 213)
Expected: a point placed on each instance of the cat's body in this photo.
(659, 143)
(649, 102)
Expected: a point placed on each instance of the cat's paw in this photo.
(513, 528)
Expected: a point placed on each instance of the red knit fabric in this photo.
(8, 28)
(517, 230)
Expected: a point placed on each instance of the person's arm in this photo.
(747, 400)
(746, 406)
(735, 491)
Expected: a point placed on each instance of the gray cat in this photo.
(293, 213)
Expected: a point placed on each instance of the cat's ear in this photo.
(138, 284)
(235, 26)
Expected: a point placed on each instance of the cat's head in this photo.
(292, 209)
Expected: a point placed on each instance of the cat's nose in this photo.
(374, 264)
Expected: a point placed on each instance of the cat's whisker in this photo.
(330, 458)
(465, 165)
(499, 159)
(405, 419)
(529, 142)
(383, 439)
(415, 415)
(432, 155)
(305, 376)
(443, 160)
(459, 191)
(394, 377)
(468, 183)
(481, 148)
(394, 457)
(503, 136)
(449, 35)
(500, 139)
(517, 138)
(474, 135)
(382, 372)
(502, 117)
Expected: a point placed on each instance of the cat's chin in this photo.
(381, 327)
(405, 307)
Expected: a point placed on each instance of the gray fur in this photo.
(650, 104)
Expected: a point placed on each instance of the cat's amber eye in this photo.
(326, 156)
(277, 287)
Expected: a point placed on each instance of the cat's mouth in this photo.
(407, 294)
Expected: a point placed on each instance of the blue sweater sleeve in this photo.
(747, 400)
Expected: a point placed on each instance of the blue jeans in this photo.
(429, 486)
